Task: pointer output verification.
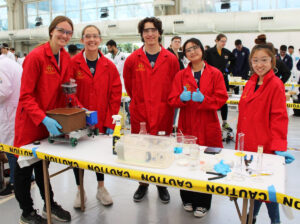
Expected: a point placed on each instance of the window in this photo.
(3, 18)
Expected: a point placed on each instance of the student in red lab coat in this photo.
(148, 75)
(44, 70)
(263, 114)
(199, 91)
(99, 89)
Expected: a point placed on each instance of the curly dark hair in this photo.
(156, 22)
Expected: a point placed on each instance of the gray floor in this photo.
(151, 210)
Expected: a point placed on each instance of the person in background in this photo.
(174, 49)
(44, 70)
(280, 69)
(206, 47)
(20, 60)
(5, 51)
(241, 66)
(99, 89)
(73, 50)
(148, 74)
(295, 74)
(221, 58)
(118, 58)
(263, 99)
(10, 81)
(12, 50)
(199, 91)
(283, 56)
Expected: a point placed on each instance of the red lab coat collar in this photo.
(83, 65)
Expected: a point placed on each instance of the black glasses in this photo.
(63, 31)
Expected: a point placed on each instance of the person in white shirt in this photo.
(10, 81)
(295, 73)
(6, 52)
(118, 58)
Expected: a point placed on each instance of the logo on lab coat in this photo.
(79, 75)
(140, 68)
(188, 87)
(50, 70)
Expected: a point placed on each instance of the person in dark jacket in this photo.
(174, 49)
(222, 59)
(241, 66)
(283, 56)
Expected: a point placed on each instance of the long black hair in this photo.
(194, 41)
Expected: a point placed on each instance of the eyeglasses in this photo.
(63, 31)
(148, 30)
(189, 50)
(264, 61)
(90, 36)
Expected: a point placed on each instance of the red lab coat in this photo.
(101, 92)
(40, 91)
(263, 115)
(149, 89)
(200, 119)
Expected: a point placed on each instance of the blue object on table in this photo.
(222, 168)
(289, 158)
(177, 149)
(52, 126)
(92, 118)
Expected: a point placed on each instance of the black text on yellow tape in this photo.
(174, 181)
(15, 150)
(293, 105)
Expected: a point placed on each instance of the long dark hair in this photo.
(194, 41)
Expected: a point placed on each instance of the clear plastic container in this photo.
(146, 150)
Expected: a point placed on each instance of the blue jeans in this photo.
(12, 165)
(273, 210)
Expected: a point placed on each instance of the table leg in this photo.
(82, 207)
(237, 208)
(251, 208)
(47, 194)
(244, 213)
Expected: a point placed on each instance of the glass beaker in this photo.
(143, 129)
(187, 142)
(179, 139)
(241, 139)
(260, 150)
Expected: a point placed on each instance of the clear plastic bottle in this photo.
(143, 129)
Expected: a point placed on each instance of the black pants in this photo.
(23, 184)
(100, 176)
(197, 199)
(224, 112)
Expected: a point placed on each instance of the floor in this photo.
(150, 210)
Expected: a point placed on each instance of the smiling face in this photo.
(61, 34)
(91, 39)
(150, 34)
(261, 62)
(193, 52)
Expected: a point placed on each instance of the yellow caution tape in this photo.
(242, 83)
(160, 179)
(289, 105)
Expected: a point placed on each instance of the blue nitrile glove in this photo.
(52, 126)
(289, 158)
(109, 131)
(198, 96)
(222, 168)
(185, 95)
